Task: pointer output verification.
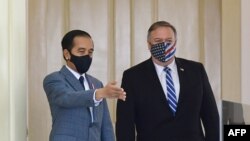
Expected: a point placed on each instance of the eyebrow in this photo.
(163, 39)
(83, 48)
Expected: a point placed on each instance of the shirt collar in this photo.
(76, 74)
(159, 69)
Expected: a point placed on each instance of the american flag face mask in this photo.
(163, 51)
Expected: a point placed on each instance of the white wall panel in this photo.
(141, 19)
(184, 15)
(122, 37)
(92, 16)
(211, 55)
(46, 27)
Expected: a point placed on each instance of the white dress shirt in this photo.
(162, 77)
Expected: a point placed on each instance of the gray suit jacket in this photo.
(69, 105)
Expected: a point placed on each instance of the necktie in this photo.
(172, 101)
(81, 79)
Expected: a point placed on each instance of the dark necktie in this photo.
(172, 101)
(81, 79)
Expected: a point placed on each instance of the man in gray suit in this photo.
(77, 100)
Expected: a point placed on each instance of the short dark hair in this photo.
(160, 24)
(67, 41)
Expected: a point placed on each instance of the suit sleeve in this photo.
(107, 131)
(125, 127)
(209, 111)
(60, 94)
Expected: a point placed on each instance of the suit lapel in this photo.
(157, 89)
(183, 85)
(95, 108)
(72, 80)
(154, 79)
(91, 85)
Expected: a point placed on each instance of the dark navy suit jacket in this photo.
(146, 116)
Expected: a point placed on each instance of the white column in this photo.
(245, 57)
(13, 70)
(4, 71)
(245, 51)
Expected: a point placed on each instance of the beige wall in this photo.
(13, 70)
(211, 31)
(231, 50)
(236, 53)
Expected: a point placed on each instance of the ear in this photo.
(66, 54)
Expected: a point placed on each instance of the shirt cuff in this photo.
(97, 102)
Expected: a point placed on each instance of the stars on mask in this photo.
(158, 51)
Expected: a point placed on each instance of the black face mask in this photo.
(82, 63)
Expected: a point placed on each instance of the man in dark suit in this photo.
(168, 98)
(77, 100)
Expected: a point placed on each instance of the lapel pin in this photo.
(181, 69)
